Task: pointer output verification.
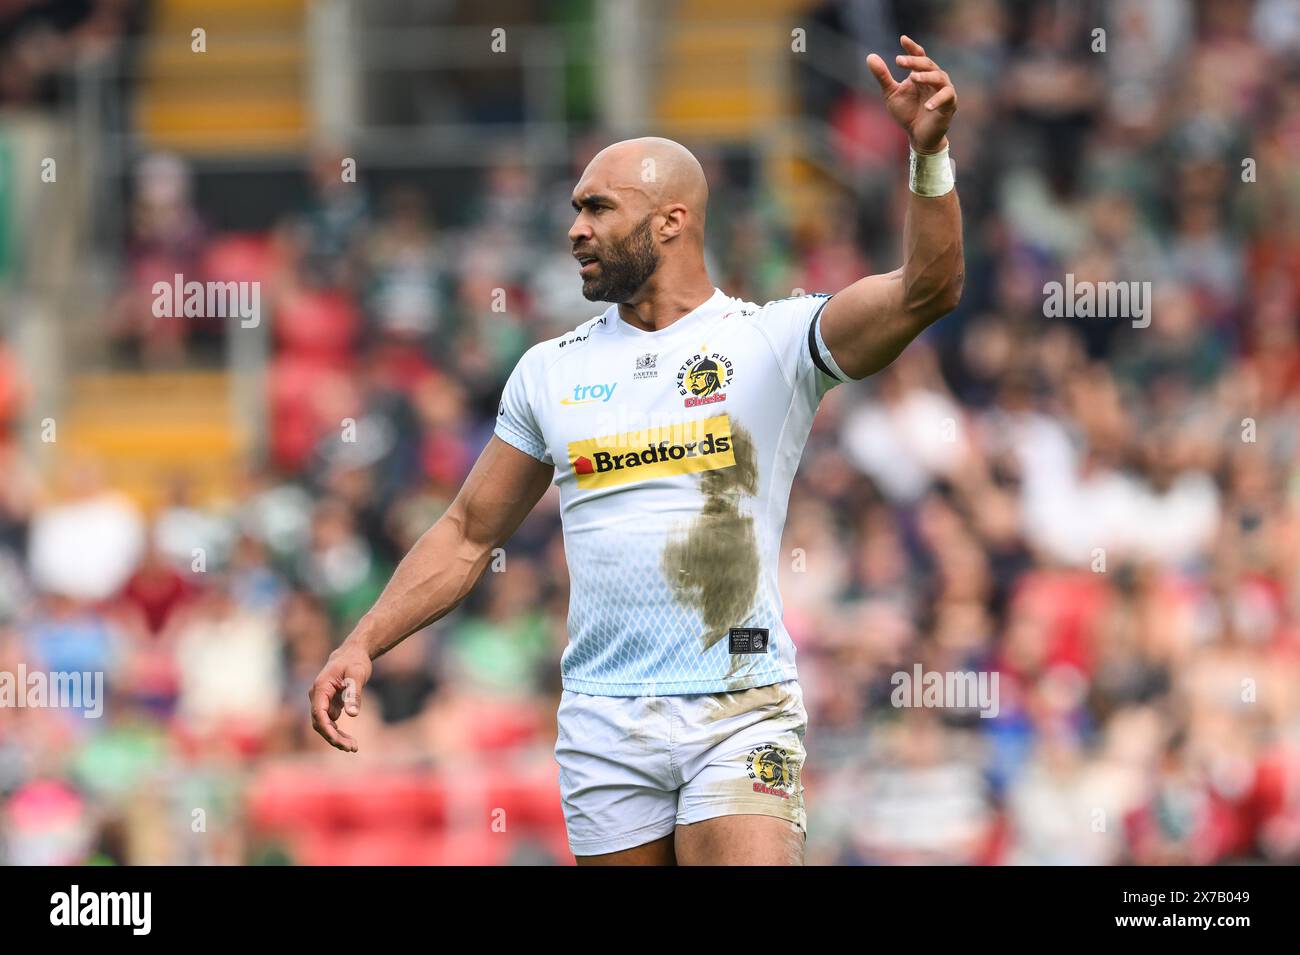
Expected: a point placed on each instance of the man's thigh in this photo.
(724, 840)
(739, 840)
(659, 852)
(617, 786)
(741, 802)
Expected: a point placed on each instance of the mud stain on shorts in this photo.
(726, 705)
(771, 705)
(713, 565)
(647, 730)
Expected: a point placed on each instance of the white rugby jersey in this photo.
(674, 451)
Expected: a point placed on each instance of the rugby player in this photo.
(673, 423)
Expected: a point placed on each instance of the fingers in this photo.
(945, 95)
(930, 77)
(876, 64)
(915, 63)
(325, 706)
(352, 693)
(924, 70)
(337, 690)
(324, 725)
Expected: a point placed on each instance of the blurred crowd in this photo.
(1106, 516)
(40, 38)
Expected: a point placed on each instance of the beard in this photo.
(624, 267)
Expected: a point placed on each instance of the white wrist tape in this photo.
(930, 174)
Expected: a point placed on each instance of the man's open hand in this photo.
(337, 690)
(923, 103)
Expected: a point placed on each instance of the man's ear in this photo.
(674, 221)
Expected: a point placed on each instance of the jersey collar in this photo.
(707, 309)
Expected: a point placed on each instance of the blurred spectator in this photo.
(87, 545)
(168, 239)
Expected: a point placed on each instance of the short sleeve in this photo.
(517, 422)
(794, 326)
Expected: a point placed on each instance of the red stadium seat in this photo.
(239, 258)
(482, 847)
(318, 322)
(291, 800)
(295, 422)
(531, 802)
(499, 725)
(390, 801)
(398, 847)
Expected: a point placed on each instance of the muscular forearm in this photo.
(433, 578)
(430, 581)
(869, 323)
(450, 557)
(933, 265)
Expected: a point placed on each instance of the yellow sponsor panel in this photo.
(685, 448)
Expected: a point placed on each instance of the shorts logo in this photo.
(770, 768)
(702, 378)
(655, 452)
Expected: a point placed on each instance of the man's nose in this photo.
(579, 230)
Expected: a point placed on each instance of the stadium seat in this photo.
(239, 258)
(499, 725)
(531, 802)
(317, 322)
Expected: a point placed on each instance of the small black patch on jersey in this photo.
(747, 640)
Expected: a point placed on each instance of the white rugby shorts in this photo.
(632, 768)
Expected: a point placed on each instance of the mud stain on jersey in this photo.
(713, 565)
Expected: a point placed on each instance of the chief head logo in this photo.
(704, 378)
(772, 770)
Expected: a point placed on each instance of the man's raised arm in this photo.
(869, 323)
(433, 578)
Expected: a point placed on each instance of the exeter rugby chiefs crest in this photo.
(772, 770)
(702, 378)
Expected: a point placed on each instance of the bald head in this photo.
(640, 213)
(648, 174)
